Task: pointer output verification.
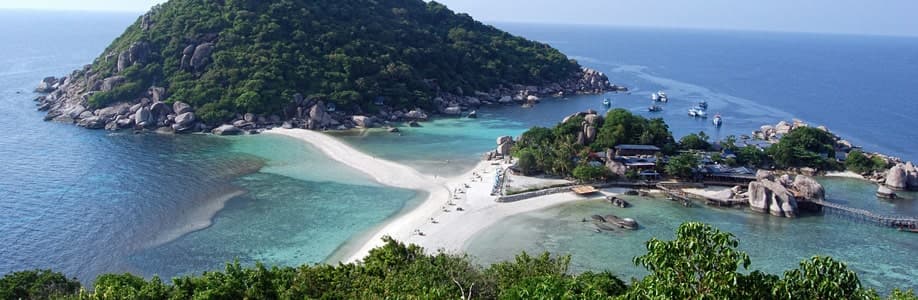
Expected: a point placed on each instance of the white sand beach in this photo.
(445, 220)
(845, 174)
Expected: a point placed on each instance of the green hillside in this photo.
(224, 57)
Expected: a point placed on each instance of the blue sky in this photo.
(884, 17)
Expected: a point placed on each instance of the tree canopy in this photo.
(347, 51)
(700, 263)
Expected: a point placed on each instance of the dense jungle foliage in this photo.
(350, 52)
(700, 263)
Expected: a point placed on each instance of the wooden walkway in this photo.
(867, 216)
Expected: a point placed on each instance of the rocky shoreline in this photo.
(66, 100)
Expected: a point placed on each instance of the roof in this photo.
(637, 147)
(584, 189)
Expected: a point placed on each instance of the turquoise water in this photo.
(883, 258)
(90, 202)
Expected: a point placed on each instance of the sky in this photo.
(875, 17)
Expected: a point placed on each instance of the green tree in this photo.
(526, 161)
(682, 166)
(37, 284)
(820, 278)
(589, 173)
(804, 147)
(700, 263)
(695, 142)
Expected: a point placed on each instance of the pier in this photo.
(867, 216)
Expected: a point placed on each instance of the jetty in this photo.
(867, 216)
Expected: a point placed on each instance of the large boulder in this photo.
(452, 110)
(504, 139)
(912, 172)
(93, 122)
(805, 188)
(46, 85)
(886, 193)
(184, 122)
(227, 129)
(143, 118)
(504, 149)
(180, 107)
(897, 177)
(616, 167)
(201, 56)
(363, 121)
(772, 197)
(160, 109)
(416, 114)
(111, 83)
(111, 112)
(318, 117)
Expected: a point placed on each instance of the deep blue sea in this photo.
(89, 202)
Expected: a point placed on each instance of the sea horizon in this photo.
(278, 179)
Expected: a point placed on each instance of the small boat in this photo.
(607, 102)
(703, 105)
(655, 108)
(659, 96)
(697, 112)
(718, 121)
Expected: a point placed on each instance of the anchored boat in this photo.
(655, 108)
(697, 112)
(659, 96)
(718, 121)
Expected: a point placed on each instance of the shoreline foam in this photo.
(444, 227)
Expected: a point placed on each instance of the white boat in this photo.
(659, 97)
(607, 102)
(655, 108)
(662, 96)
(718, 121)
(697, 112)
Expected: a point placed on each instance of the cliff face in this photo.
(278, 60)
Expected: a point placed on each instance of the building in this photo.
(637, 150)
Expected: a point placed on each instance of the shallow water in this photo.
(883, 258)
(89, 202)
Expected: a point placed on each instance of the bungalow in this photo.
(636, 150)
(379, 101)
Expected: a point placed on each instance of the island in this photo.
(229, 67)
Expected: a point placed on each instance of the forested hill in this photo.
(235, 56)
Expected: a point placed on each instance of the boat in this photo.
(655, 108)
(718, 121)
(697, 112)
(659, 96)
(607, 102)
(703, 105)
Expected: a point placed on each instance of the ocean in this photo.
(90, 202)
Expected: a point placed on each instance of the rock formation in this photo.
(504, 144)
(779, 196)
(897, 177)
